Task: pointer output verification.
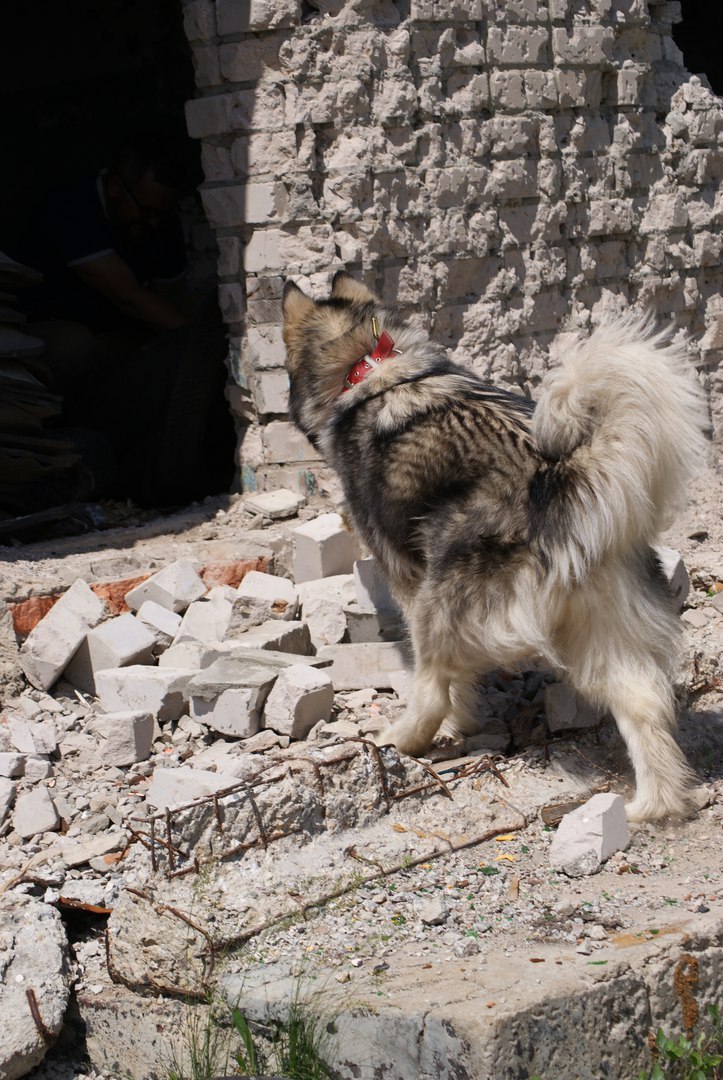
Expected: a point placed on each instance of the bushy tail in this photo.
(622, 424)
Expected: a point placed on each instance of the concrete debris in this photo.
(35, 813)
(7, 797)
(162, 623)
(323, 601)
(12, 764)
(125, 737)
(372, 588)
(588, 836)
(143, 689)
(207, 619)
(176, 787)
(49, 648)
(34, 982)
(565, 711)
(175, 587)
(261, 597)
(355, 667)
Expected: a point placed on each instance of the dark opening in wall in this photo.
(146, 419)
(699, 36)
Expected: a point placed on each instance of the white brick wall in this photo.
(502, 169)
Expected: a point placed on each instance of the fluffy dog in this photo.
(509, 530)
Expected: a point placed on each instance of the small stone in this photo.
(35, 812)
(12, 764)
(589, 835)
(433, 912)
(275, 504)
(174, 587)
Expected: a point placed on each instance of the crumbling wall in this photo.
(503, 169)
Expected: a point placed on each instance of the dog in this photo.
(508, 529)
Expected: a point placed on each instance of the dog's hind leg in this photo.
(428, 706)
(642, 704)
(464, 716)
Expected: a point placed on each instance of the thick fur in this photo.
(509, 530)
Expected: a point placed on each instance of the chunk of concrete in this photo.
(35, 812)
(281, 503)
(300, 698)
(51, 645)
(372, 625)
(229, 696)
(261, 597)
(33, 736)
(12, 764)
(158, 691)
(322, 548)
(672, 565)
(161, 622)
(355, 667)
(207, 619)
(589, 835)
(278, 635)
(115, 643)
(175, 787)
(7, 797)
(125, 737)
(372, 587)
(565, 711)
(174, 587)
(323, 601)
(33, 956)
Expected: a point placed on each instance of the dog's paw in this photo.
(404, 738)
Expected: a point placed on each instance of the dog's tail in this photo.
(621, 424)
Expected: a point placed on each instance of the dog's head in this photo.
(323, 340)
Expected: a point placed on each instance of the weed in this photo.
(688, 1057)
(296, 1046)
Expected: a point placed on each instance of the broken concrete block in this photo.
(565, 711)
(588, 836)
(207, 619)
(161, 622)
(275, 504)
(158, 691)
(372, 587)
(7, 797)
(125, 737)
(300, 698)
(49, 648)
(322, 604)
(78, 852)
(37, 768)
(115, 643)
(12, 764)
(322, 548)
(291, 637)
(373, 625)
(175, 787)
(355, 667)
(262, 597)
(33, 736)
(174, 587)
(34, 957)
(673, 567)
(230, 694)
(35, 812)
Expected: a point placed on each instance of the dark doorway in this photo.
(699, 36)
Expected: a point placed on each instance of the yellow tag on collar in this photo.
(375, 327)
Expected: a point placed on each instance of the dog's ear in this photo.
(345, 287)
(296, 303)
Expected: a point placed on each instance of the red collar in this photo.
(383, 350)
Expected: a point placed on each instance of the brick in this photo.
(174, 587)
(322, 605)
(125, 737)
(264, 596)
(276, 504)
(225, 206)
(199, 20)
(208, 619)
(271, 392)
(278, 635)
(300, 698)
(229, 695)
(322, 548)
(370, 625)
(233, 17)
(372, 587)
(116, 643)
(161, 622)
(356, 667)
(517, 45)
(584, 45)
(158, 691)
(49, 648)
(283, 442)
(208, 116)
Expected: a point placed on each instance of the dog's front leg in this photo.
(428, 705)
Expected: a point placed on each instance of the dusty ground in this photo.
(500, 897)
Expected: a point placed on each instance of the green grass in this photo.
(684, 1057)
